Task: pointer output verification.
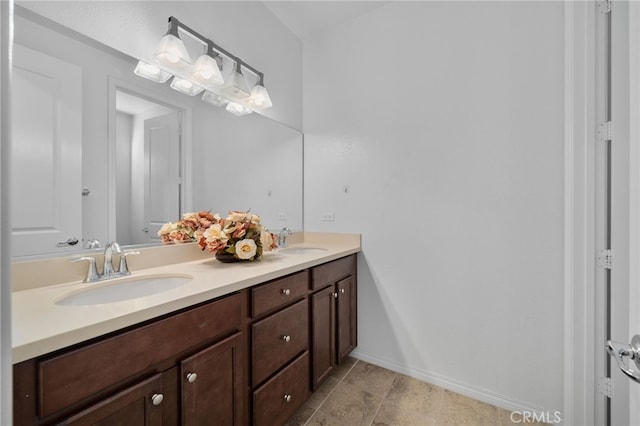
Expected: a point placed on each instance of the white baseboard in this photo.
(479, 394)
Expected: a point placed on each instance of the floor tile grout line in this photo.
(330, 393)
(384, 397)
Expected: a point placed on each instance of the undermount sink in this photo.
(126, 289)
(302, 250)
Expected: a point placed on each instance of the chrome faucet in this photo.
(282, 236)
(109, 250)
(108, 271)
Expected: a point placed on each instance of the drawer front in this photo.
(279, 338)
(73, 376)
(280, 397)
(267, 297)
(331, 272)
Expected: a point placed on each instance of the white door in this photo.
(46, 154)
(162, 172)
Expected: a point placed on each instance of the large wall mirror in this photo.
(101, 154)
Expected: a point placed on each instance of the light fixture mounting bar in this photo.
(175, 23)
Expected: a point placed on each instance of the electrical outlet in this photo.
(282, 216)
(328, 217)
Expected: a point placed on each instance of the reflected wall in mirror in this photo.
(219, 162)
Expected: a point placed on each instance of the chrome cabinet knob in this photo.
(286, 338)
(286, 291)
(157, 398)
(335, 295)
(286, 397)
(342, 290)
(191, 377)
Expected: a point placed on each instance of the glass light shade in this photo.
(237, 109)
(214, 99)
(260, 98)
(171, 54)
(205, 72)
(151, 71)
(185, 86)
(236, 86)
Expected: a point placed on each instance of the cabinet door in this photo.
(323, 334)
(346, 317)
(212, 385)
(138, 405)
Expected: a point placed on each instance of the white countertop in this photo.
(40, 326)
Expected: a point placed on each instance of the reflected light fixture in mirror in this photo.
(185, 86)
(171, 58)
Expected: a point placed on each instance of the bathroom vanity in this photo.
(249, 351)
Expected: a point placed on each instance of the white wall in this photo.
(436, 130)
(247, 29)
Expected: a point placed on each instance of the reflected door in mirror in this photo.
(46, 154)
(162, 172)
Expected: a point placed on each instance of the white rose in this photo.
(246, 249)
(167, 228)
(266, 240)
(237, 216)
(214, 232)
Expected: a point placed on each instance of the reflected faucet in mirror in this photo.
(282, 236)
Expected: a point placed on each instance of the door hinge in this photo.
(604, 387)
(605, 259)
(605, 131)
(604, 7)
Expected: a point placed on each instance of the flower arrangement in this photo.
(240, 235)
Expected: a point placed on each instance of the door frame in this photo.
(186, 199)
(634, 178)
(583, 111)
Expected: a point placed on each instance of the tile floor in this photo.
(359, 393)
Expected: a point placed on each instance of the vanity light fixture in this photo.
(171, 59)
(260, 98)
(171, 52)
(206, 70)
(236, 86)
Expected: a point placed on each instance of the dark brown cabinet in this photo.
(134, 373)
(212, 385)
(279, 349)
(252, 357)
(333, 316)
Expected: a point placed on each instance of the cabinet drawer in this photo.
(81, 373)
(333, 271)
(277, 293)
(280, 397)
(279, 338)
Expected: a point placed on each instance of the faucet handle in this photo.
(124, 268)
(92, 271)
